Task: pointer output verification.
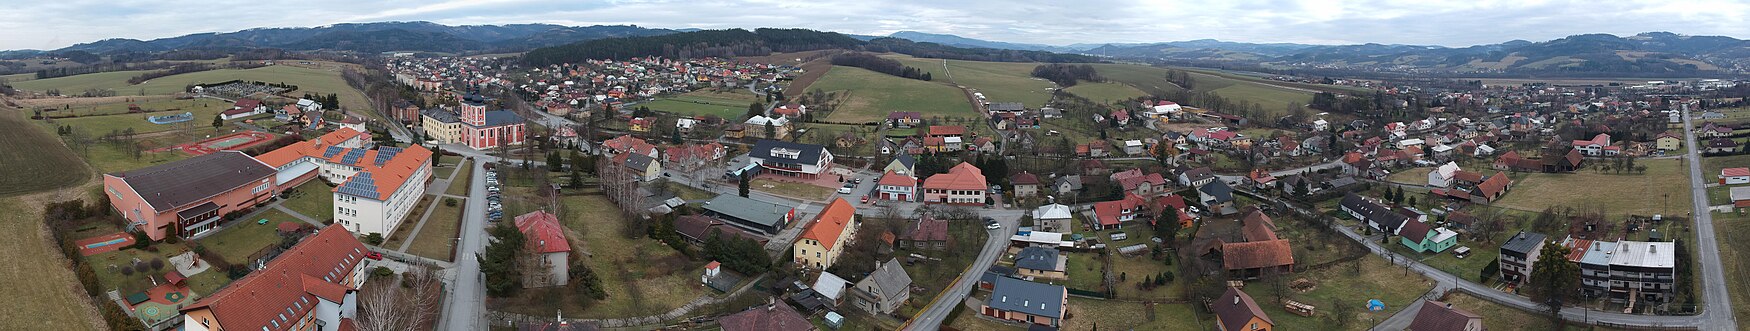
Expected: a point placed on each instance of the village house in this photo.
(1258, 252)
(1113, 214)
(1441, 316)
(1026, 184)
(824, 238)
(1236, 311)
(1734, 176)
(1427, 238)
(791, 159)
(1668, 141)
(904, 119)
(1134, 181)
(925, 233)
(894, 186)
(641, 124)
(1375, 215)
(1217, 196)
(546, 240)
(963, 184)
(903, 164)
(1196, 177)
(1053, 218)
(1721, 145)
(1041, 262)
(1598, 146)
(1519, 254)
(883, 290)
(1028, 302)
(1712, 130)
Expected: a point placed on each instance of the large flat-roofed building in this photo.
(749, 214)
(312, 286)
(1643, 271)
(187, 197)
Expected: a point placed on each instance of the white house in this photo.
(1734, 176)
(309, 105)
(1442, 176)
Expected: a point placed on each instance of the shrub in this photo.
(127, 270)
(381, 272)
(449, 202)
(157, 264)
(374, 239)
(237, 272)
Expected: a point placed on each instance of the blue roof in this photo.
(361, 185)
(1027, 297)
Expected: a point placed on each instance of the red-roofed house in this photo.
(546, 239)
(1175, 201)
(1112, 214)
(1734, 176)
(894, 186)
(964, 184)
(312, 286)
(824, 238)
(1598, 146)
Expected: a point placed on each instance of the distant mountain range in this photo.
(377, 37)
(1651, 53)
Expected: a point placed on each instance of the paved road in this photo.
(1717, 313)
(936, 313)
(465, 308)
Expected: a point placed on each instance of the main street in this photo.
(465, 307)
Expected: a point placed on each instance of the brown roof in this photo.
(830, 223)
(1258, 227)
(772, 317)
(1441, 316)
(1256, 254)
(311, 270)
(1494, 185)
(1234, 309)
(926, 229)
(1414, 230)
(1025, 178)
(1461, 217)
(176, 184)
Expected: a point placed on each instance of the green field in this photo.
(14, 78)
(242, 238)
(203, 109)
(76, 84)
(999, 81)
(34, 159)
(697, 107)
(1105, 92)
(733, 96)
(1272, 96)
(872, 95)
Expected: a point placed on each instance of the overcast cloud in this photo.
(59, 23)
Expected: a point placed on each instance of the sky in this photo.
(27, 24)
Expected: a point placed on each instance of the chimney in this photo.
(1236, 300)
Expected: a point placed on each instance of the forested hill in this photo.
(759, 42)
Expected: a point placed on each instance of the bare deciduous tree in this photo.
(409, 302)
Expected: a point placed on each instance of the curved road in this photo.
(936, 313)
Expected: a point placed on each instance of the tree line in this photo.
(760, 42)
(174, 70)
(1066, 75)
(879, 64)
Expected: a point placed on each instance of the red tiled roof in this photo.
(1025, 178)
(543, 232)
(1108, 212)
(962, 176)
(947, 130)
(895, 179)
(831, 222)
(1256, 254)
(774, 317)
(1734, 172)
(1494, 185)
(254, 301)
(927, 229)
(1256, 226)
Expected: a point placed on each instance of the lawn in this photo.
(316, 81)
(1085, 272)
(35, 270)
(1415, 176)
(871, 95)
(1616, 194)
(435, 238)
(936, 276)
(242, 238)
(1375, 278)
(1710, 166)
(314, 199)
(1135, 269)
(1105, 92)
(1086, 314)
(696, 107)
(461, 182)
(642, 276)
(688, 192)
(790, 189)
(1735, 259)
(34, 160)
(106, 266)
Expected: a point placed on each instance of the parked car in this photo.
(845, 189)
(374, 255)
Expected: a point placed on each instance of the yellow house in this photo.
(1235, 311)
(1668, 141)
(441, 125)
(826, 237)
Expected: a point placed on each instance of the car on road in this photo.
(865, 199)
(374, 256)
(993, 225)
(845, 189)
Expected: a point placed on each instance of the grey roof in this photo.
(1006, 106)
(764, 213)
(1219, 190)
(176, 184)
(1341, 182)
(830, 286)
(441, 115)
(1199, 174)
(907, 161)
(638, 161)
(1379, 214)
(1037, 258)
(1075, 182)
(1027, 297)
(502, 117)
(1599, 253)
(1523, 242)
(891, 278)
(807, 153)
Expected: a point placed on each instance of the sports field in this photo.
(34, 159)
(872, 95)
(203, 109)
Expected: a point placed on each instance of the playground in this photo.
(230, 142)
(104, 243)
(162, 302)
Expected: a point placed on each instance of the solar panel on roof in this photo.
(332, 150)
(386, 153)
(361, 185)
(352, 156)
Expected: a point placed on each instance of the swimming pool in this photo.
(105, 243)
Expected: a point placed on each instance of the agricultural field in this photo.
(1105, 92)
(697, 107)
(871, 95)
(203, 110)
(76, 84)
(35, 270)
(1273, 96)
(1640, 194)
(34, 159)
(309, 80)
(999, 81)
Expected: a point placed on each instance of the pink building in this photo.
(186, 197)
(482, 129)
